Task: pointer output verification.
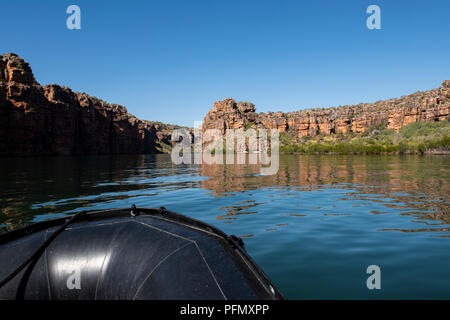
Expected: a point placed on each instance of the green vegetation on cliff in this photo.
(418, 137)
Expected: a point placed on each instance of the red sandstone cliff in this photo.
(50, 120)
(433, 105)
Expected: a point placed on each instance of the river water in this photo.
(314, 227)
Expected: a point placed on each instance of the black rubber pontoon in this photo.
(129, 254)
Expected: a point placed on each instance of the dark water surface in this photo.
(314, 227)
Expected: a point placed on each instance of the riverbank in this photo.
(416, 138)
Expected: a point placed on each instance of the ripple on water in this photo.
(314, 227)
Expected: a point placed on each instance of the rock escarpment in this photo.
(432, 105)
(54, 120)
(228, 114)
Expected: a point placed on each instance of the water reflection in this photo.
(410, 185)
(418, 184)
(314, 227)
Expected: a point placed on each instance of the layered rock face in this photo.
(433, 105)
(54, 120)
(228, 114)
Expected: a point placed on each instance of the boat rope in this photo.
(41, 249)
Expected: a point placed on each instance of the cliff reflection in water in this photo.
(38, 188)
(397, 182)
(42, 186)
(314, 227)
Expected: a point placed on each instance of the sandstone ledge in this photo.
(432, 105)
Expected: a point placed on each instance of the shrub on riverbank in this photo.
(419, 137)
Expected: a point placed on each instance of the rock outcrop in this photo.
(54, 120)
(228, 114)
(433, 105)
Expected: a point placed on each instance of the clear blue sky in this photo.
(170, 60)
